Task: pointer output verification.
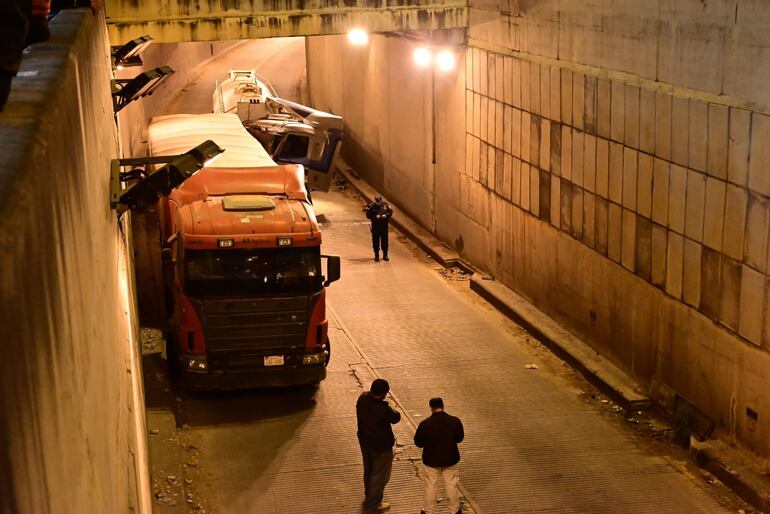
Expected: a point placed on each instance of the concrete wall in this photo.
(172, 21)
(387, 105)
(187, 60)
(72, 436)
(614, 170)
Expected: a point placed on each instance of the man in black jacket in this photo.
(379, 213)
(375, 436)
(438, 436)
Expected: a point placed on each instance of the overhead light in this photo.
(125, 91)
(151, 186)
(445, 60)
(128, 54)
(423, 56)
(358, 37)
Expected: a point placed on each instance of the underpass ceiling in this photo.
(171, 21)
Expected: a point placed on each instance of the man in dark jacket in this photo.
(379, 213)
(375, 436)
(438, 436)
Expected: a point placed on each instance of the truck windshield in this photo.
(252, 272)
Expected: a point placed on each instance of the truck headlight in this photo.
(196, 364)
(312, 359)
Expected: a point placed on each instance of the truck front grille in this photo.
(255, 324)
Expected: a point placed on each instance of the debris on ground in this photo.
(154, 431)
(454, 274)
(152, 340)
(530, 366)
(339, 183)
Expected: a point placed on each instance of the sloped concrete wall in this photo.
(72, 436)
(615, 172)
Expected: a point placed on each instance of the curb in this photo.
(597, 370)
(165, 456)
(724, 463)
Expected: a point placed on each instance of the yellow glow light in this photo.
(445, 60)
(358, 37)
(423, 56)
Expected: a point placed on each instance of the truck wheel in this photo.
(328, 352)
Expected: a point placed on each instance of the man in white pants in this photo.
(438, 436)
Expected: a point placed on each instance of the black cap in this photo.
(380, 387)
(436, 403)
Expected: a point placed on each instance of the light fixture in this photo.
(445, 60)
(125, 91)
(128, 54)
(422, 56)
(149, 187)
(358, 37)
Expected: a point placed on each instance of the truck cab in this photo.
(246, 280)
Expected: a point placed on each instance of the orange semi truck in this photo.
(242, 263)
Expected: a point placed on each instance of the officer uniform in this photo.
(379, 213)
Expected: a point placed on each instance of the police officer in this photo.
(379, 213)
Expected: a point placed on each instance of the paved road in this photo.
(533, 443)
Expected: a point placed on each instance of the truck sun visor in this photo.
(247, 203)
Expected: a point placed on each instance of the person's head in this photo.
(436, 404)
(378, 198)
(380, 388)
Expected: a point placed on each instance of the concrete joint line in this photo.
(366, 364)
(457, 6)
(628, 78)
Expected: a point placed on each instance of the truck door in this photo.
(317, 152)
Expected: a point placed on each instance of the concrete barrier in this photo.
(72, 437)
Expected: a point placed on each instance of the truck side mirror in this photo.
(332, 269)
(166, 254)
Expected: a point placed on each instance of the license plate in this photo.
(274, 360)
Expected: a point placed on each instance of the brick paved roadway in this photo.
(532, 444)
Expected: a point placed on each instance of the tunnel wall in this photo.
(187, 60)
(390, 121)
(614, 170)
(72, 436)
